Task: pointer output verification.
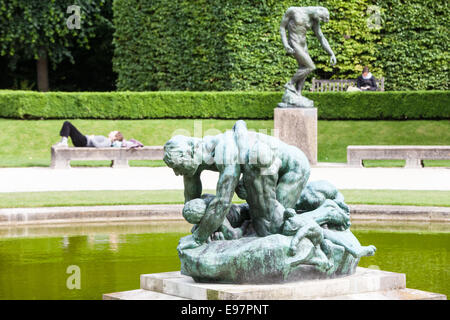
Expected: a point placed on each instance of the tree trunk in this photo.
(42, 71)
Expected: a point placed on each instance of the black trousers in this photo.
(69, 130)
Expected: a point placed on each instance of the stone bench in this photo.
(414, 155)
(61, 157)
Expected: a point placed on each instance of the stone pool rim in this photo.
(159, 212)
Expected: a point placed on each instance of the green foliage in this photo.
(27, 27)
(168, 45)
(223, 45)
(137, 105)
(219, 45)
(220, 105)
(414, 52)
(382, 105)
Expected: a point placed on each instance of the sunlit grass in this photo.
(94, 198)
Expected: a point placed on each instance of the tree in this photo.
(47, 31)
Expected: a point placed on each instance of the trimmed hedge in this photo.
(220, 105)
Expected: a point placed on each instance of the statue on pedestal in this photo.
(288, 229)
(297, 20)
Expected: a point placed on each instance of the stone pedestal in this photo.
(298, 127)
(364, 284)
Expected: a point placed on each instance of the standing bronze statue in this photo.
(297, 20)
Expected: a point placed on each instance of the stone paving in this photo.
(163, 178)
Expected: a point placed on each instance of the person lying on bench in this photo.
(114, 139)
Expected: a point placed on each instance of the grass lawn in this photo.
(28, 142)
(91, 198)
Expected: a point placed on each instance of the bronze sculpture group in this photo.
(299, 230)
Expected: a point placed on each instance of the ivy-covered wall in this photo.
(230, 44)
(414, 47)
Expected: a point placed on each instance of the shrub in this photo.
(220, 105)
(388, 105)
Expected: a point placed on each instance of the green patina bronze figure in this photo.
(282, 167)
(297, 20)
(288, 229)
(234, 226)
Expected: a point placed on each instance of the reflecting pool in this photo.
(110, 257)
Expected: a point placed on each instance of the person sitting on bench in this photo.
(366, 81)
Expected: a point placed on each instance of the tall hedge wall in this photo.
(414, 51)
(209, 45)
(225, 105)
(205, 45)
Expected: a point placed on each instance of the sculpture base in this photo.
(365, 284)
(294, 99)
(298, 127)
(260, 260)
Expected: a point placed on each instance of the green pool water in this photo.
(34, 260)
